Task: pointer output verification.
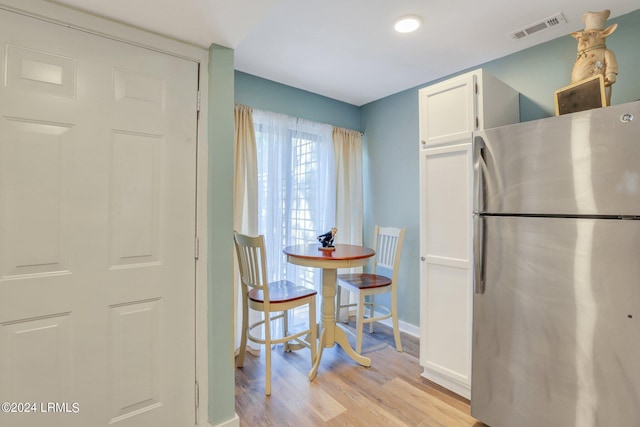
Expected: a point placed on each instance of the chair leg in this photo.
(243, 337)
(339, 305)
(372, 301)
(314, 330)
(338, 292)
(285, 330)
(396, 333)
(394, 318)
(267, 354)
(360, 322)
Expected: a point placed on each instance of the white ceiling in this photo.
(347, 49)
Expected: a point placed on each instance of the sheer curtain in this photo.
(296, 182)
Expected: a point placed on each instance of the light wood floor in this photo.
(389, 393)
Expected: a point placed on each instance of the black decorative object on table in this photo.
(326, 240)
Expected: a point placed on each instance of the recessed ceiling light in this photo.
(407, 24)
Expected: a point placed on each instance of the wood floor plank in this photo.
(437, 412)
(340, 383)
(300, 391)
(389, 393)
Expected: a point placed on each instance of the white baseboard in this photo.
(448, 382)
(405, 327)
(233, 422)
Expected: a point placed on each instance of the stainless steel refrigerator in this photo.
(556, 310)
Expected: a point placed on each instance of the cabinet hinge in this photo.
(196, 248)
(477, 123)
(477, 89)
(198, 101)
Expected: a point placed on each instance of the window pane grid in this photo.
(302, 226)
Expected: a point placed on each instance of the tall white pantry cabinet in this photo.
(450, 112)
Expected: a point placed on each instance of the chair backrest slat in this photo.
(251, 260)
(388, 245)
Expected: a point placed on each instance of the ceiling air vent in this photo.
(544, 24)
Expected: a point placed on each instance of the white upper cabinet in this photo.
(450, 111)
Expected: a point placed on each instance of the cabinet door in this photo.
(448, 111)
(446, 267)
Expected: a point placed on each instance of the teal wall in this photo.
(271, 96)
(390, 168)
(391, 134)
(220, 130)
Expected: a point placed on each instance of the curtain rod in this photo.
(298, 118)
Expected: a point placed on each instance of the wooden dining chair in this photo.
(273, 299)
(388, 247)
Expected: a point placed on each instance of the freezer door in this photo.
(585, 163)
(556, 329)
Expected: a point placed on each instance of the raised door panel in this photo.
(446, 341)
(135, 380)
(447, 111)
(446, 203)
(35, 160)
(135, 198)
(36, 369)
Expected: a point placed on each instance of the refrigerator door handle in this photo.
(479, 166)
(478, 254)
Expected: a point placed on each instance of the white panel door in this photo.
(446, 285)
(97, 228)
